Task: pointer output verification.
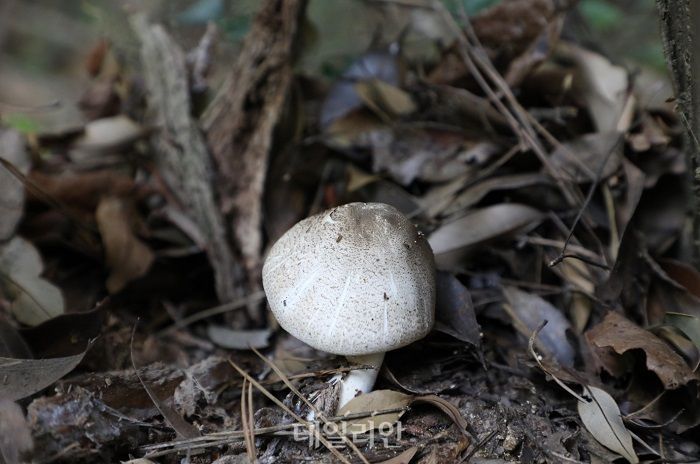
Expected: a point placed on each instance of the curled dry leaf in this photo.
(33, 299)
(11, 189)
(603, 420)
(127, 256)
(621, 335)
(24, 377)
(238, 339)
(529, 311)
(379, 400)
(15, 433)
(454, 240)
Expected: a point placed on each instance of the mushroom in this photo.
(357, 280)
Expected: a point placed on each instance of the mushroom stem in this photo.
(359, 381)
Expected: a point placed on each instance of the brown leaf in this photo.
(15, 433)
(127, 256)
(82, 191)
(377, 400)
(622, 335)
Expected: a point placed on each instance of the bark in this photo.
(241, 120)
(680, 23)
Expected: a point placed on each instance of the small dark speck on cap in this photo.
(340, 237)
(284, 302)
(386, 297)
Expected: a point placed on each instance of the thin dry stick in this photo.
(224, 437)
(318, 413)
(247, 436)
(519, 124)
(582, 209)
(305, 423)
(224, 308)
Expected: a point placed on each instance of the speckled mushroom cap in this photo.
(353, 280)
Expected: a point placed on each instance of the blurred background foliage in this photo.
(46, 43)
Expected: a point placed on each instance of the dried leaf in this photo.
(603, 420)
(454, 311)
(34, 299)
(24, 377)
(109, 134)
(374, 401)
(446, 407)
(238, 339)
(529, 311)
(15, 433)
(343, 99)
(603, 87)
(581, 158)
(385, 99)
(622, 335)
(127, 256)
(689, 325)
(453, 240)
(11, 189)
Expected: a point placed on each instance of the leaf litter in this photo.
(550, 190)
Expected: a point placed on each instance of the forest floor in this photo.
(138, 203)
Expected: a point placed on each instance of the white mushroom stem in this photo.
(359, 381)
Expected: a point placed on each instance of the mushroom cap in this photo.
(353, 280)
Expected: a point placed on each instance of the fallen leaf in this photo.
(603, 87)
(452, 241)
(529, 311)
(238, 339)
(11, 189)
(33, 299)
(689, 325)
(601, 417)
(377, 400)
(107, 135)
(621, 335)
(127, 256)
(446, 407)
(478, 191)
(343, 99)
(24, 377)
(581, 159)
(454, 311)
(384, 99)
(15, 433)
